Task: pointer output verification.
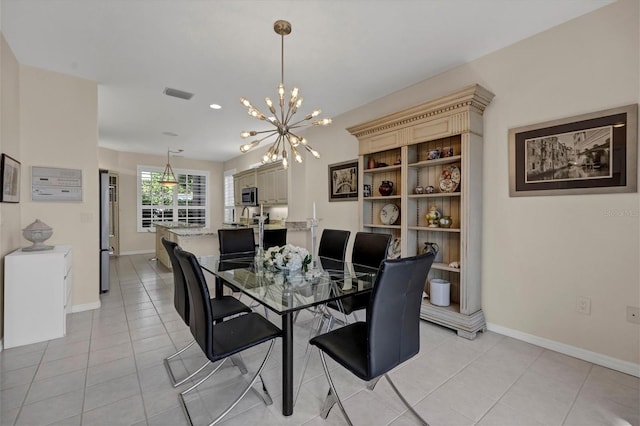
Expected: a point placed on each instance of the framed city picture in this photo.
(343, 181)
(594, 153)
(9, 179)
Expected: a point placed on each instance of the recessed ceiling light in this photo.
(215, 106)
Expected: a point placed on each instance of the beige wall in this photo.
(539, 253)
(10, 235)
(59, 128)
(126, 164)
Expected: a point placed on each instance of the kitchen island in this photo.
(204, 241)
(171, 231)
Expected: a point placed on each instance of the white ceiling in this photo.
(341, 53)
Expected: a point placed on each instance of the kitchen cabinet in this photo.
(436, 146)
(245, 179)
(272, 184)
(37, 295)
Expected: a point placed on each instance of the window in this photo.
(185, 202)
(229, 198)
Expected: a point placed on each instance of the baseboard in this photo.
(85, 307)
(126, 253)
(593, 357)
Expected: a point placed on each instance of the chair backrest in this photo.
(274, 237)
(201, 316)
(333, 244)
(180, 298)
(237, 240)
(393, 315)
(370, 248)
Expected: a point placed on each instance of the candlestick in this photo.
(261, 233)
(314, 210)
(314, 232)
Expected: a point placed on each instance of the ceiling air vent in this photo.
(177, 93)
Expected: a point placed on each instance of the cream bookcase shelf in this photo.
(406, 137)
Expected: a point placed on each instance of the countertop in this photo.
(177, 225)
(190, 232)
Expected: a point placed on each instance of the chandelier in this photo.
(283, 122)
(168, 178)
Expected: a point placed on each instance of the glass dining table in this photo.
(287, 292)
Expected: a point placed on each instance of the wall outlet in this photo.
(584, 305)
(633, 314)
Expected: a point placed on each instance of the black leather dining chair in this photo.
(219, 341)
(369, 249)
(223, 307)
(333, 244)
(389, 337)
(236, 241)
(274, 237)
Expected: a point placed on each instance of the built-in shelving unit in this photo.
(402, 143)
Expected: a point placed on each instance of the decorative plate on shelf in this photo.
(449, 178)
(394, 251)
(389, 214)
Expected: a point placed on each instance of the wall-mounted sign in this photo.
(54, 184)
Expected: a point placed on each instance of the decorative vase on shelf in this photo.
(433, 217)
(372, 163)
(386, 188)
(38, 232)
(445, 222)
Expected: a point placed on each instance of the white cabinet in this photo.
(245, 179)
(272, 184)
(37, 295)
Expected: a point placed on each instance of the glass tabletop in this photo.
(287, 291)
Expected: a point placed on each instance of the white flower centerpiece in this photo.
(287, 258)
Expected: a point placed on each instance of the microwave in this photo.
(250, 196)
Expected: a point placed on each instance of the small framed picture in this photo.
(366, 190)
(10, 179)
(594, 153)
(343, 181)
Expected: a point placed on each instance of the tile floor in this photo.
(108, 371)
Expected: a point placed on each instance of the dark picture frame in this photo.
(593, 153)
(343, 181)
(9, 179)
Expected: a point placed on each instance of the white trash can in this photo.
(439, 292)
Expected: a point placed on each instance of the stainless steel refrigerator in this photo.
(105, 249)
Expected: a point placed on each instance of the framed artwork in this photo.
(343, 181)
(594, 153)
(10, 179)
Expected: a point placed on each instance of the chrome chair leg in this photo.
(307, 354)
(328, 404)
(174, 381)
(190, 376)
(239, 362)
(372, 384)
(395, 389)
(264, 395)
(211, 373)
(333, 389)
(181, 350)
(264, 362)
